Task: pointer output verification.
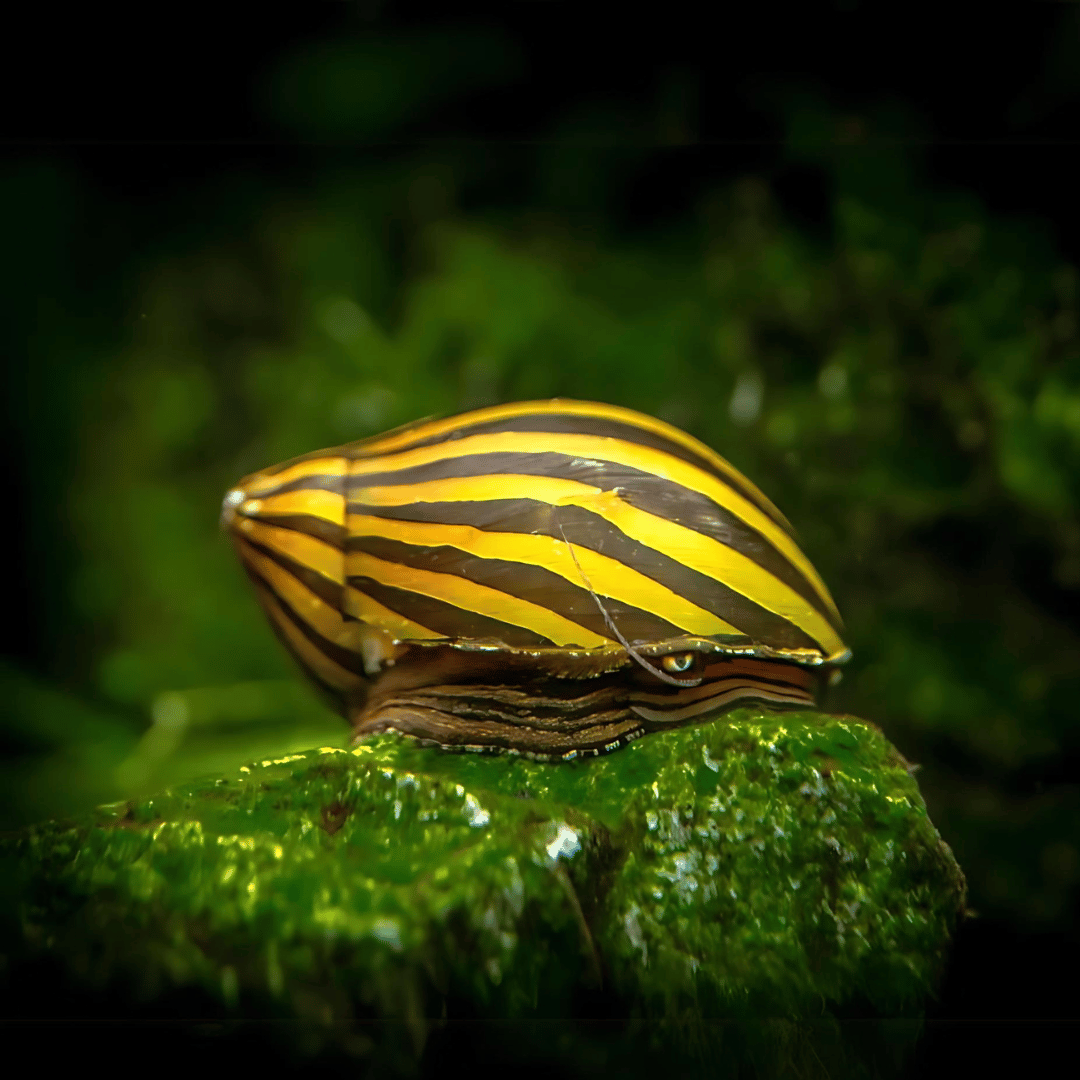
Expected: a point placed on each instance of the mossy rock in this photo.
(723, 892)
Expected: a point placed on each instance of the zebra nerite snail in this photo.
(550, 578)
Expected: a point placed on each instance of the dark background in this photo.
(190, 195)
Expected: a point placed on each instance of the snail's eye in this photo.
(677, 663)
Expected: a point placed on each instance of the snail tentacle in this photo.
(663, 676)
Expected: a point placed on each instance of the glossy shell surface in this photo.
(548, 536)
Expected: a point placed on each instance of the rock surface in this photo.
(775, 871)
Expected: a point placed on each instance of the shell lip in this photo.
(744, 647)
(493, 645)
(731, 647)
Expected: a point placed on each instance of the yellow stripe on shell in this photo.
(328, 670)
(312, 502)
(305, 550)
(328, 561)
(549, 489)
(310, 607)
(471, 596)
(617, 452)
(363, 607)
(606, 576)
(562, 407)
(686, 546)
(717, 561)
(331, 465)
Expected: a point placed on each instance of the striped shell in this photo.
(551, 578)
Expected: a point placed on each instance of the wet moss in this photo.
(763, 868)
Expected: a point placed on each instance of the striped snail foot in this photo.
(560, 722)
(769, 870)
(566, 717)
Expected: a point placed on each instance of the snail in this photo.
(551, 578)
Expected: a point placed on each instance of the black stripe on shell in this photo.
(447, 619)
(602, 427)
(327, 590)
(524, 581)
(642, 490)
(336, 697)
(320, 528)
(312, 482)
(585, 529)
(345, 658)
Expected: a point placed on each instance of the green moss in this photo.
(760, 866)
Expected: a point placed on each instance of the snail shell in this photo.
(550, 578)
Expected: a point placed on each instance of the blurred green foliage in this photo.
(905, 384)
